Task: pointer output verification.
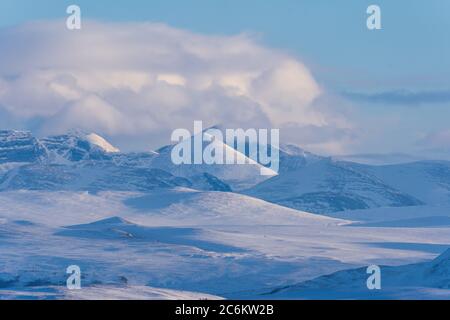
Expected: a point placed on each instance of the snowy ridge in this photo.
(237, 176)
(326, 186)
(20, 146)
(415, 280)
(77, 146)
(81, 161)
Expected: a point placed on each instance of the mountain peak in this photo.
(295, 150)
(99, 141)
(445, 256)
(93, 139)
(77, 145)
(111, 221)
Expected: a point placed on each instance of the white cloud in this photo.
(89, 113)
(143, 79)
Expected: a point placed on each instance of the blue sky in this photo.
(398, 74)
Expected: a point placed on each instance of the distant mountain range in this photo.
(81, 161)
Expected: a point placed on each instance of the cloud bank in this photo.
(136, 82)
(401, 97)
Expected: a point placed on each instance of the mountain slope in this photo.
(222, 208)
(327, 186)
(77, 146)
(20, 146)
(81, 161)
(237, 176)
(118, 229)
(421, 280)
(90, 177)
(293, 157)
(428, 181)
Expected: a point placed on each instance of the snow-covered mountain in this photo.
(237, 176)
(428, 181)
(86, 161)
(325, 186)
(20, 147)
(81, 161)
(423, 280)
(379, 159)
(90, 177)
(78, 146)
(292, 157)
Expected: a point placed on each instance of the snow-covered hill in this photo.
(426, 280)
(428, 181)
(220, 243)
(189, 207)
(326, 186)
(92, 177)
